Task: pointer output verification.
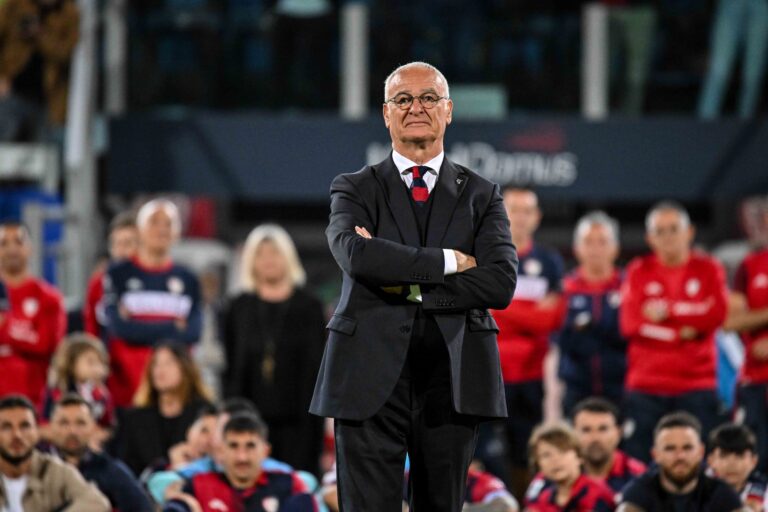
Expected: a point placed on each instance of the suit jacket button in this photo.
(405, 329)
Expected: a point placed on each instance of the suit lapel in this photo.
(398, 201)
(450, 184)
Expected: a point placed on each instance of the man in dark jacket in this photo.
(678, 483)
(72, 428)
(411, 363)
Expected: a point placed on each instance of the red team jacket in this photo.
(623, 470)
(94, 317)
(274, 491)
(587, 495)
(33, 326)
(524, 327)
(752, 280)
(659, 360)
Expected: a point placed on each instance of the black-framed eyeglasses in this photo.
(403, 101)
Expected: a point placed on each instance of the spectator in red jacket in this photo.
(524, 329)
(673, 301)
(596, 422)
(748, 314)
(123, 243)
(555, 451)
(35, 322)
(243, 484)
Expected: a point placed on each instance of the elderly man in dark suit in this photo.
(411, 364)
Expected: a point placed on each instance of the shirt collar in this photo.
(402, 163)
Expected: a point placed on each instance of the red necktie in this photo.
(419, 190)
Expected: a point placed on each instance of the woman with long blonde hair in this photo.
(273, 332)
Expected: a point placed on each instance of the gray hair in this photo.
(667, 205)
(418, 65)
(596, 218)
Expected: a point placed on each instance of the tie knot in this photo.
(419, 171)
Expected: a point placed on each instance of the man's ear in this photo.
(385, 113)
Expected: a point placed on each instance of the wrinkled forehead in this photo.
(415, 81)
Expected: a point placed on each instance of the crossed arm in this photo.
(379, 262)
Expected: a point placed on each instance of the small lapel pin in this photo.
(458, 181)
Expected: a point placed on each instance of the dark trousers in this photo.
(753, 400)
(418, 419)
(644, 410)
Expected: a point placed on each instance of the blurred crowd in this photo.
(645, 385)
(279, 54)
(173, 399)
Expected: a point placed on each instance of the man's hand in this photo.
(464, 261)
(656, 310)
(363, 232)
(189, 500)
(688, 333)
(760, 349)
(753, 505)
(181, 324)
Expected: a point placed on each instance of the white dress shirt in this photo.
(404, 165)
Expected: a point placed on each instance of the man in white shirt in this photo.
(34, 481)
(411, 362)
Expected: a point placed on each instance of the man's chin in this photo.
(76, 452)
(598, 460)
(680, 479)
(418, 139)
(16, 459)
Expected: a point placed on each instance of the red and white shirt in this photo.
(752, 280)
(29, 333)
(660, 360)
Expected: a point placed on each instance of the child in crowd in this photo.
(555, 453)
(733, 458)
(81, 365)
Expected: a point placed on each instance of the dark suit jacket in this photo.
(369, 333)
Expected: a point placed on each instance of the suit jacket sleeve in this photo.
(492, 283)
(375, 261)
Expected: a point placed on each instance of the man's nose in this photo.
(416, 106)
